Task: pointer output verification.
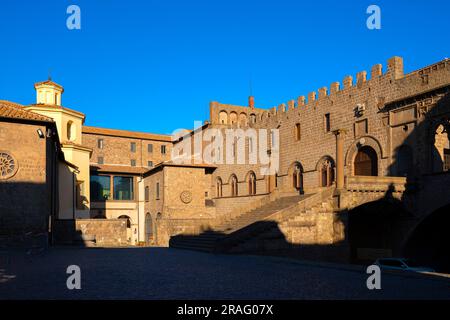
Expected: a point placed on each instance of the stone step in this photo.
(192, 247)
(243, 224)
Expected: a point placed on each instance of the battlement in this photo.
(360, 86)
(394, 72)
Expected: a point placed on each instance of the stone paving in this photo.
(161, 273)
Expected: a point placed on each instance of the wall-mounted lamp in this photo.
(40, 133)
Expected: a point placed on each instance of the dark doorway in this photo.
(366, 162)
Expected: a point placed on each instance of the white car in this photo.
(401, 264)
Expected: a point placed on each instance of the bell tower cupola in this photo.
(48, 93)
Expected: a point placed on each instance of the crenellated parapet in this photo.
(390, 85)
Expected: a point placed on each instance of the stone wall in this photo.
(25, 197)
(91, 232)
(117, 150)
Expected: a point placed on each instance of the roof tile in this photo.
(16, 111)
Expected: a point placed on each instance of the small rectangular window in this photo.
(147, 194)
(100, 143)
(163, 149)
(133, 147)
(327, 123)
(133, 163)
(100, 160)
(297, 131)
(157, 191)
(150, 164)
(150, 148)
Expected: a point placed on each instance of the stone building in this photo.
(118, 162)
(29, 161)
(338, 153)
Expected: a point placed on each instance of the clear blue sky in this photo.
(155, 65)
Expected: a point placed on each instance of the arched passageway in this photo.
(128, 226)
(373, 230)
(429, 243)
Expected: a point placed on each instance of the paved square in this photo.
(161, 273)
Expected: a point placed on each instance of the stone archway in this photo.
(352, 152)
(366, 162)
(374, 229)
(125, 217)
(429, 242)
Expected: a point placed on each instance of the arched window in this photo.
(148, 229)
(223, 117)
(234, 186)
(326, 173)
(219, 187)
(233, 118)
(242, 119)
(251, 183)
(297, 177)
(253, 118)
(71, 131)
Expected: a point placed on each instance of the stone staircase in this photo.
(282, 234)
(208, 240)
(259, 222)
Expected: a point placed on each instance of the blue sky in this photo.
(155, 65)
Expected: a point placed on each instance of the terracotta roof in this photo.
(126, 134)
(16, 111)
(117, 169)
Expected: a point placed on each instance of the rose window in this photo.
(8, 165)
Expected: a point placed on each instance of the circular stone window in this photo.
(186, 196)
(8, 165)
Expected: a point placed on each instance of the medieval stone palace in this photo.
(362, 171)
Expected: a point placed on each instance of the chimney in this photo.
(251, 102)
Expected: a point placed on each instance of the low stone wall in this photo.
(91, 232)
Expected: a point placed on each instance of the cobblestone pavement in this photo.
(159, 273)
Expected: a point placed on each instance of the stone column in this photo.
(339, 158)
